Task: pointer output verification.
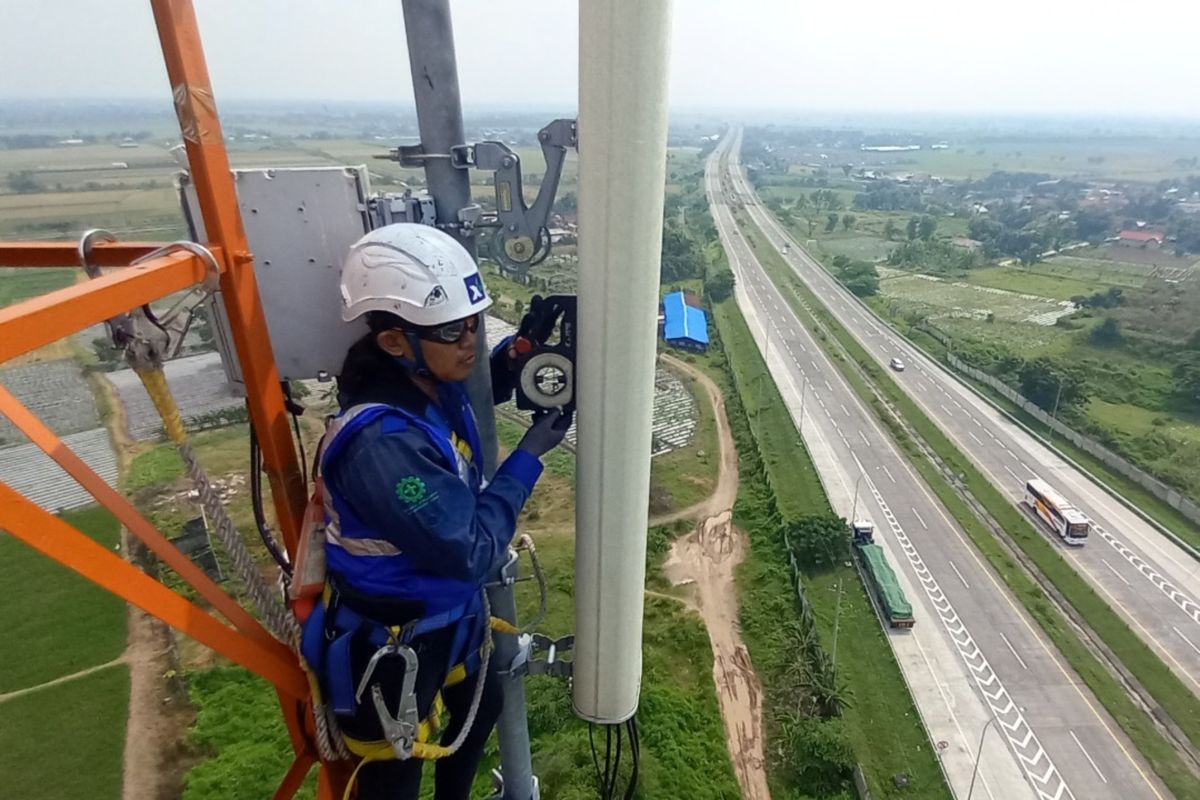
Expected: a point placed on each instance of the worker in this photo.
(413, 528)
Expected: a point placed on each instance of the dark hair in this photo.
(379, 321)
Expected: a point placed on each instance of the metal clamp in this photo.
(86, 242)
(399, 730)
(523, 233)
(531, 644)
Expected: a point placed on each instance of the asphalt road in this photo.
(1147, 578)
(976, 663)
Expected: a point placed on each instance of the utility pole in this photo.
(1057, 396)
(854, 508)
(978, 755)
(434, 67)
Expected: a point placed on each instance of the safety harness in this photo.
(331, 626)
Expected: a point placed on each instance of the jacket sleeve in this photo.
(503, 381)
(400, 485)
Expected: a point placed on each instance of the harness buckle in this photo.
(400, 730)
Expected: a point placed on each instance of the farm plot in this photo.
(56, 392)
(200, 388)
(941, 299)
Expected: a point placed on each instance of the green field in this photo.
(1088, 155)
(66, 742)
(55, 622)
(22, 283)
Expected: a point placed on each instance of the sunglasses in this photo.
(450, 333)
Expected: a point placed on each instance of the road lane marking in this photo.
(863, 436)
(1013, 650)
(924, 388)
(973, 436)
(959, 574)
(1010, 472)
(1186, 639)
(1114, 572)
(827, 386)
(844, 409)
(948, 413)
(887, 472)
(1087, 756)
(1032, 757)
(920, 519)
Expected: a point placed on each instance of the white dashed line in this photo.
(863, 436)
(1088, 757)
(1010, 472)
(1012, 650)
(827, 386)
(959, 574)
(844, 409)
(887, 472)
(973, 436)
(948, 414)
(920, 519)
(1114, 572)
(1186, 639)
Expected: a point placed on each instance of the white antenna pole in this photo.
(623, 59)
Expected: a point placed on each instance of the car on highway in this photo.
(896, 364)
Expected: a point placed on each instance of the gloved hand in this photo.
(546, 433)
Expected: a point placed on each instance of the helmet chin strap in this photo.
(415, 365)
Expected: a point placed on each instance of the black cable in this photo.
(595, 755)
(635, 754)
(616, 770)
(256, 502)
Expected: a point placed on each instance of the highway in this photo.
(1149, 580)
(976, 663)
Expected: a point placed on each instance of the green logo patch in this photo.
(411, 490)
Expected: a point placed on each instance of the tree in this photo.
(23, 183)
(801, 202)
(1050, 386)
(818, 539)
(719, 287)
(682, 257)
(926, 227)
(848, 221)
(1107, 333)
(831, 222)
(889, 230)
(846, 169)
(913, 226)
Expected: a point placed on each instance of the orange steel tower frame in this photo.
(39, 321)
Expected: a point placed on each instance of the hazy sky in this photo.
(1073, 56)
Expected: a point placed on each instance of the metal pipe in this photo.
(430, 34)
(623, 58)
(434, 68)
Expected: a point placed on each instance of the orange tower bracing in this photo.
(39, 321)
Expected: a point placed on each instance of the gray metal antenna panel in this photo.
(300, 222)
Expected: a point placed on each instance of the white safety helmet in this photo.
(416, 272)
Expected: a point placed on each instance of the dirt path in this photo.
(154, 762)
(705, 561)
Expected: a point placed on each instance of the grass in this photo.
(21, 284)
(66, 743)
(881, 720)
(1167, 690)
(1060, 278)
(55, 622)
(686, 476)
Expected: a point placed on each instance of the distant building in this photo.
(966, 244)
(1140, 239)
(684, 326)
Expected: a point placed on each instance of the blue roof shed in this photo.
(684, 325)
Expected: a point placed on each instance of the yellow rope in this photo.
(155, 382)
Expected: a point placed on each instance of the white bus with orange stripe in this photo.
(1067, 521)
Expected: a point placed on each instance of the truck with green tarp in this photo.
(888, 597)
